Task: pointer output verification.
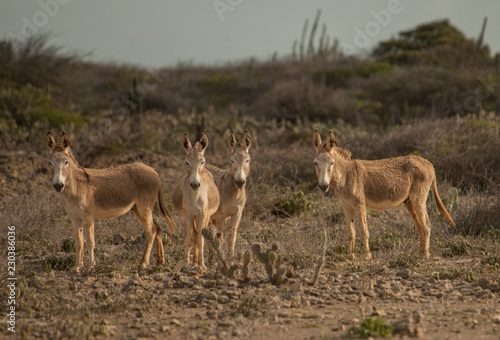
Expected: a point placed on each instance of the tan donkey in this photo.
(231, 185)
(195, 198)
(107, 193)
(378, 184)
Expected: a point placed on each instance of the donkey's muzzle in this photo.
(324, 187)
(59, 187)
(195, 185)
(239, 183)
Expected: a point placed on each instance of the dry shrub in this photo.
(478, 213)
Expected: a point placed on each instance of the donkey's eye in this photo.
(316, 164)
(247, 161)
(232, 162)
(202, 163)
(331, 163)
(50, 163)
(66, 163)
(187, 163)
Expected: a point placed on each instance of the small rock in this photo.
(418, 317)
(404, 273)
(296, 287)
(165, 329)
(445, 287)
(404, 327)
(496, 318)
(72, 286)
(175, 322)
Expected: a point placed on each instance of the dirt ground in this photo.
(431, 299)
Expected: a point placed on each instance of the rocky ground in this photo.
(177, 305)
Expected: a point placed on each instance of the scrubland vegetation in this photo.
(436, 98)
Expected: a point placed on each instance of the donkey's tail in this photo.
(440, 204)
(166, 214)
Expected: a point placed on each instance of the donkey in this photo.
(195, 198)
(231, 185)
(378, 184)
(107, 193)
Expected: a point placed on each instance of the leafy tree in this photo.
(435, 43)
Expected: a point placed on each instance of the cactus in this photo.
(246, 265)
(134, 97)
(223, 267)
(272, 263)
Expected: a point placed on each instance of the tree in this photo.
(435, 43)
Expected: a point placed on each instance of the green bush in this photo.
(371, 327)
(293, 203)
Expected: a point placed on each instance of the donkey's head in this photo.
(240, 159)
(195, 160)
(61, 159)
(324, 160)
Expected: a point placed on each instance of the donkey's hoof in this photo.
(368, 256)
(351, 257)
(424, 255)
(201, 269)
(142, 267)
(76, 269)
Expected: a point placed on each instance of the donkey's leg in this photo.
(351, 230)
(188, 242)
(160, 253)
(78, 228)
(233, 229)
(202, 223)
(89, 228)
(365, 234)
(420, 229)
(425, 234)
(146, 217)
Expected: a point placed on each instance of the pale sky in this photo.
(159, 33)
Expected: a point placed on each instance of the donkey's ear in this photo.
(50, 141)
(331, 140)
(231, 140)
(203, 142)
(247, 139)
(317, 140)
(186, 144)
(65, 140)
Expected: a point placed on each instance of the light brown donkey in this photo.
(107, 193)
(379, 184)
(195, 198)
(231, 185)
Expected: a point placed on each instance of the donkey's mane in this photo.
(344, 152)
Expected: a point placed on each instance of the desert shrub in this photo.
(371, 327)
(293, 203)
(298, 98)
(455, 246)
(339, 76)
(33, 61)
(478, 214)
(58, 263)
